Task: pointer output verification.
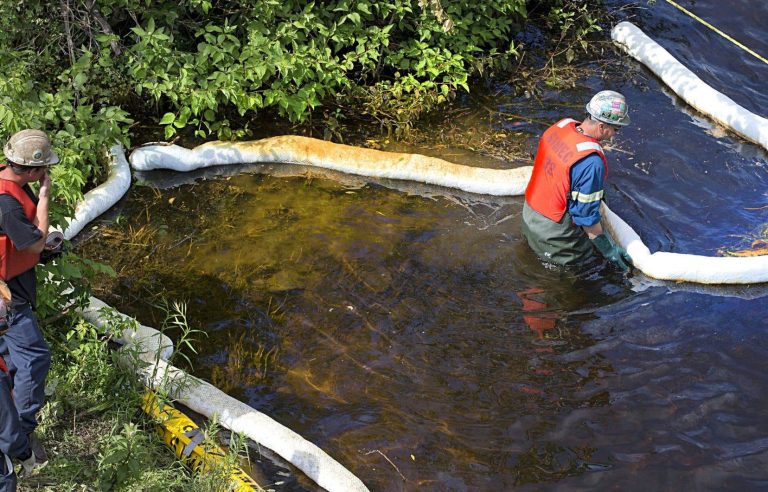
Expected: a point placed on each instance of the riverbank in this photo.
(93, 427)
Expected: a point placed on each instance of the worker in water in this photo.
(23, 234)
(561, 214)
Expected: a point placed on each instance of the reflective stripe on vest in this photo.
(561, 146)
(12, 261)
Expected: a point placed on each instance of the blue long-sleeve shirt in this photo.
(587, 181)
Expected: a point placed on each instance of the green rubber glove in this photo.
(616, 255)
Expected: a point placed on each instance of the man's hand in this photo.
(45, 186)
(41, 216)
(616, 255)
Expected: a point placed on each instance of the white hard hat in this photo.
(609, 107)
(30, 148)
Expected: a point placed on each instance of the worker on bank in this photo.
(561, 213)
(13, 443)
(23, 233)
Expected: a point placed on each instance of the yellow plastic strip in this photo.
(718, 31)
(173, 428)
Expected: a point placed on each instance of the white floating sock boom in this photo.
(319, 153)
(688, 86)
(374, 163)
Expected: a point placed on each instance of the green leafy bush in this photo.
(204, 63)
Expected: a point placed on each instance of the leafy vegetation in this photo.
(202, 65)
(93, 425)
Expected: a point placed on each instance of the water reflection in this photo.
(686, 384)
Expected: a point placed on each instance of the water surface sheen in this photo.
(411, 333)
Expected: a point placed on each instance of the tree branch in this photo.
(438, 12)
(104, 25)
(66, 13)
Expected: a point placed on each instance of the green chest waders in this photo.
(561, 243)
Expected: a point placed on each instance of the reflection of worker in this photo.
(23, 232)
(561, 214)
(535, 313)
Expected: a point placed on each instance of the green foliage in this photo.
(93, 426)
(37, 92)
(123, 457)
(204, 64)
(65, 281)
(201, 65)
(86, 381)
(81, 126)
(575, 22)
(571, 26)
(295, 55)
(89, 418)
(176, 320)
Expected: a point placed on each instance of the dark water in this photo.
(409, 331)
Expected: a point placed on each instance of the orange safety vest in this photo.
(12, 261)
(561, 146)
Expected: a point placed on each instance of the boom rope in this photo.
(688, 86)
(718, 31)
